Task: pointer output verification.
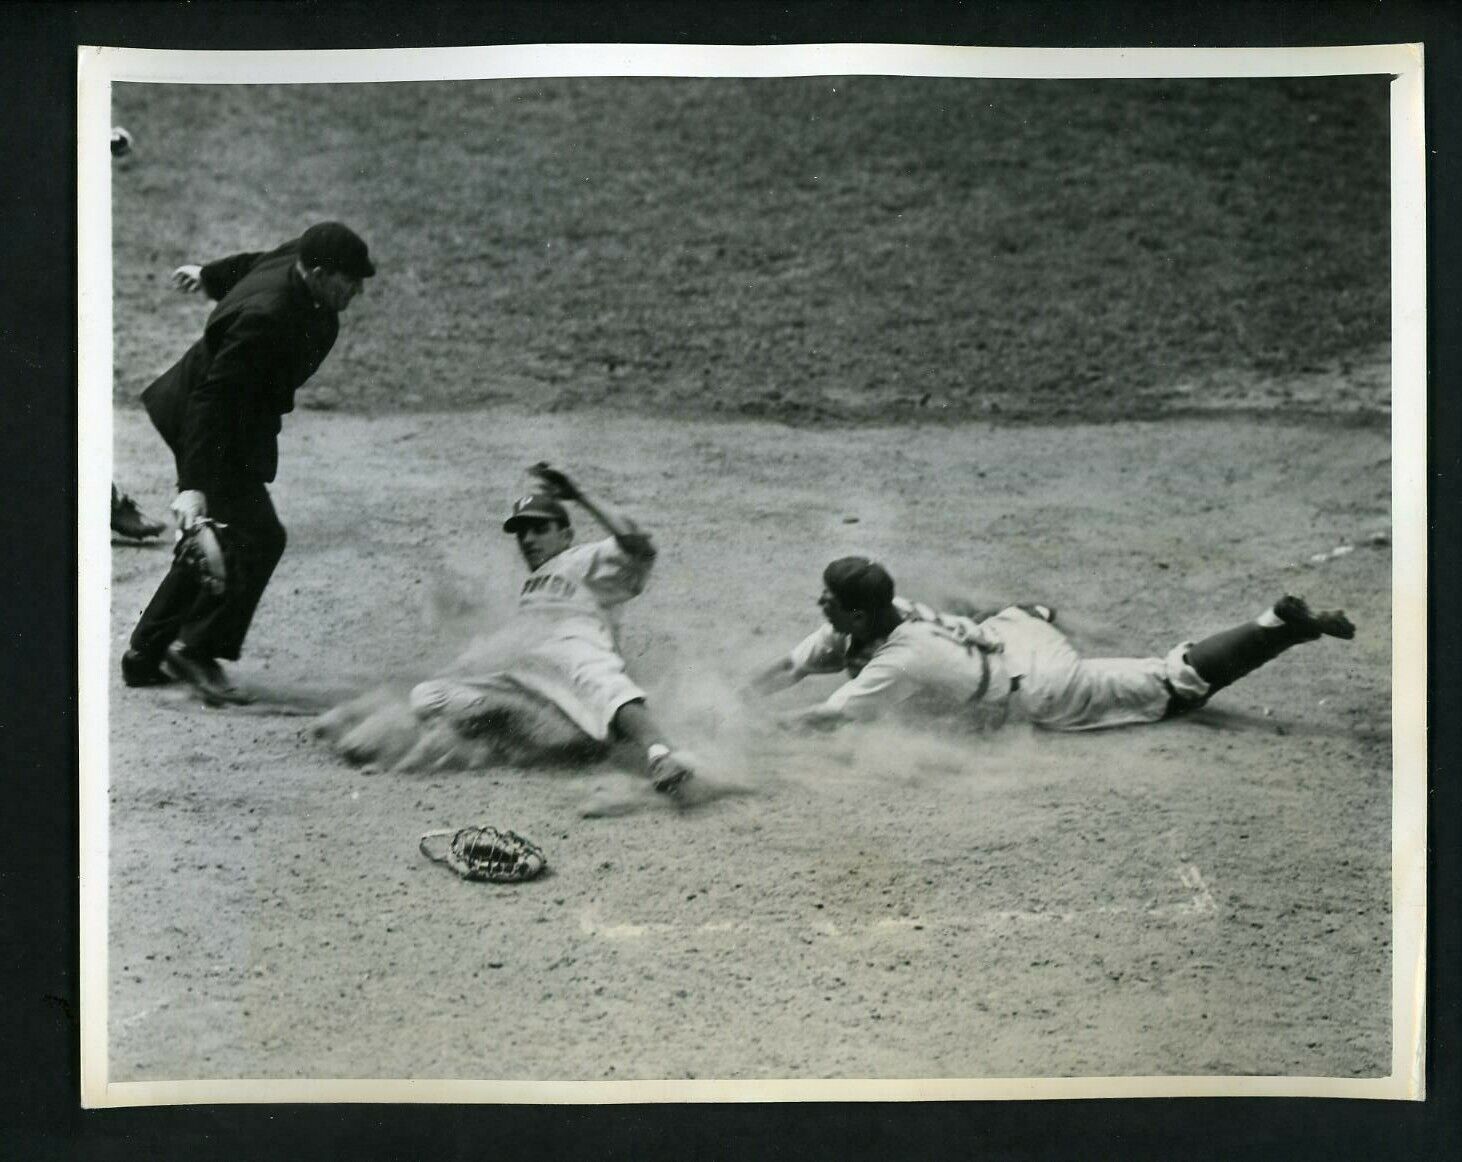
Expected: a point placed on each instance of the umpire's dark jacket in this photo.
(218, 407)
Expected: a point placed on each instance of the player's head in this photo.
(857, 596)
(336, 262)
(542, 527)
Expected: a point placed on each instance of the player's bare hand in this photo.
(555, 482)
(188, 278)
(189, 508)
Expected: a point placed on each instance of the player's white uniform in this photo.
(940, 661)
(567, 620)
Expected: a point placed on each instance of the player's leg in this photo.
(1223, 658)
(501, 722)
(669, 769)
(175, 599)
(254, 542)
(468, 708)
(179, 598)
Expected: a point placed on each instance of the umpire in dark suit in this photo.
(219, 410)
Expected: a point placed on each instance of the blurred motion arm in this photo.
(627, 534)
(778, 676)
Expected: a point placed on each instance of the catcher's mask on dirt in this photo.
(487, 853)
(860, 585)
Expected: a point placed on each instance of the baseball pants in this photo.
(1061, 690)
(214, 625)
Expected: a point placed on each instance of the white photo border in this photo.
(99, 67)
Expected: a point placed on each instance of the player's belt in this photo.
(984, 677)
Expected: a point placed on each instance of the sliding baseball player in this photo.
(897, 654)
(567, 614)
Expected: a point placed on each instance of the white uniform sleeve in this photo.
(823, 651)
(882, 684)
(612, 575)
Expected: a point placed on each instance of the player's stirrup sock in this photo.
(1224, 658)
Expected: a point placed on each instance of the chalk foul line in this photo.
(1200, 902)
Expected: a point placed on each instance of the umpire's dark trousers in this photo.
(214, 625)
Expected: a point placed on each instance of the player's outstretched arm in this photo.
(214, 279)
(821, 717)
(625, 531)
(778, 676)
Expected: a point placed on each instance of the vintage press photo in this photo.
(1099, 354)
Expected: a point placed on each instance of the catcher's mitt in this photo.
(486, 853)
(201, 550)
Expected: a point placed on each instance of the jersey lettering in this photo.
(550, 585)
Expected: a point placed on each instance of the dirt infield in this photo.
(1205, 896)
(1122, 347)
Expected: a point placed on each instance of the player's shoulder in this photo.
(577, 557)
(271, 283)
(914, 636)
(598, 547)
(610, 549)
(266, 306)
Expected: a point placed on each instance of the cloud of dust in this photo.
(735, 737)
(466, 630)
(695, 688)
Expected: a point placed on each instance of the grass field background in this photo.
(797, 248)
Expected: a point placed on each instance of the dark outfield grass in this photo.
(843, 248)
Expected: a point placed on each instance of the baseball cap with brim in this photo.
(335, 246)
(535, 507)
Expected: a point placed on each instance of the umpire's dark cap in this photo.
(858, 583)
(538, 506)
(335, 246)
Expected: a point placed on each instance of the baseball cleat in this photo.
(1313, 623)
(670, 772)
(140, 670)
(128, 521)
(205, 675)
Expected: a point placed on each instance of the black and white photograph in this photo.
(688, 574)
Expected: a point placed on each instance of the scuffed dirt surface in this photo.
(1206, 896)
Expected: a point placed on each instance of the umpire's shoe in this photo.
(140, 670)
(204, 674)
(128, 521)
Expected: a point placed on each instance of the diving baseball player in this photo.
(901, 654)
(567, 614)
